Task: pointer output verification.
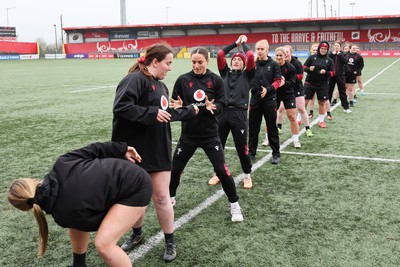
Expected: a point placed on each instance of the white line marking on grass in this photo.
(326, 155)
(341, 156)
(93, 88)
(394, 94)
(154, 240)
(379, 73)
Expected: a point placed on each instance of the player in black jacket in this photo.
(141, 118)
(339, 61)
(285, 94)
(203, 88)
(319, 68)
(263, 101)
(94, 188)
(237, 84)
(353, 68)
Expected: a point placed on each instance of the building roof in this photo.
(357, 21)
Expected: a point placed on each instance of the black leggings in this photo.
(215, 153)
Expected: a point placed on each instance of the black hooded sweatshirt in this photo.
(315, 78)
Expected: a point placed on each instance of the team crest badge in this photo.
(153, 86)
(199, 95)
(164, 102)
(209, 84)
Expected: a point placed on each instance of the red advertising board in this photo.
(18, 48)
(357, 36)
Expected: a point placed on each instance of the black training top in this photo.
(339, 61)
(299, 73)
(192, 89)
(84, 184)
(237, 83)
(354, 64)
(268, 75)
(286, 91)
(137, 101)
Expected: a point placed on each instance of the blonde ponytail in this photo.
(22, 196)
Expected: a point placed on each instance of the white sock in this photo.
(266, 136)
(295, 137)
(298, 117)
(235, 204)
(246, 175)
(321, 118)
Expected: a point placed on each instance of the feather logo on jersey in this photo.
(190, 84)
(199, 95)
(153, 86)
(164, 102)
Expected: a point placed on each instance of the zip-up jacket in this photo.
(237, 83)
(268, 74)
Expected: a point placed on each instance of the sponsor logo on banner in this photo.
(101, 56)
(77, 56)
(9, 57)
(95, 34)
(122, 36)
(135, 55)
(75, 38)
(10, 39)
(32, 56)
(91, 37)
(355, 35)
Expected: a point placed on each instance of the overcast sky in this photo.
(36, 19)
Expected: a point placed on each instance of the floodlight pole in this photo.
(8, 8)
(352, 7)
(55, 36)
(61, 29)
(166, 13)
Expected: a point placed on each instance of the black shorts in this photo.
(289, 103)
(299, 91)
(139, 193)
(351, 79)
(322, 91)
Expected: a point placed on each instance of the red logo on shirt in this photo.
(190, 84)
(199, 95)
(209, 84)
(164, 102)
(153, 86)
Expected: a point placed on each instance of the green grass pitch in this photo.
(335, 202)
